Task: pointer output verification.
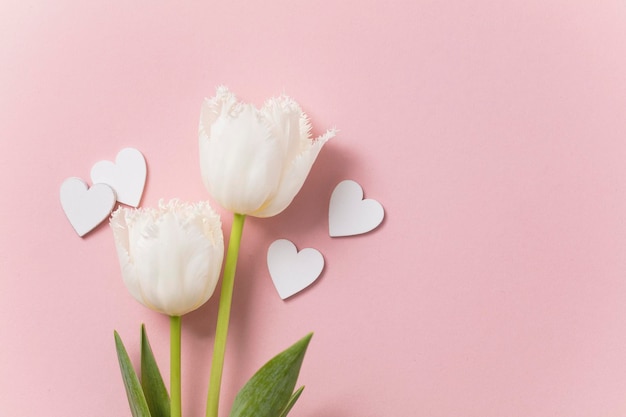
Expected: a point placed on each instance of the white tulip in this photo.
(255, 161)
(170, 256)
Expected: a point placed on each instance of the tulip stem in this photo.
(223, 315)
(175, 390)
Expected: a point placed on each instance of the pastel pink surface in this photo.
(491, 132)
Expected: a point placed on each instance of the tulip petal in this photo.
(283, 116)
(223, 103)
(120, 228)
(200, 278)
(294, 177)
(242, 163)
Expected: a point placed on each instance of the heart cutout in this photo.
(349, 214)
(86, 207)
(127, 176)
(293, 271)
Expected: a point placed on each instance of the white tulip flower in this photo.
(254, 161)
(170, 256)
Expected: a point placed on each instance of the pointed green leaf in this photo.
(151, 381)
(292, 401)
(136, 399)
(269, 391)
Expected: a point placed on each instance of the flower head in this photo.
(254, 161)
(170, 256)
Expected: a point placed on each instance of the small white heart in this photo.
(127, 176)
(349, 214)
(86, 207)
(293, 271)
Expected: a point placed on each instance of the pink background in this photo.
(493, 133)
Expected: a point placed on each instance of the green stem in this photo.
(175, 391)
(223, 315)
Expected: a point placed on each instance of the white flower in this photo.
(255, 161)
(171, 256)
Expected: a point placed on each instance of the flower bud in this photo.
(255, 161)
(170, 256)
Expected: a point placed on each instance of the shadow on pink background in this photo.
(492, 133)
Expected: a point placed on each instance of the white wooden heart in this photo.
(86, 207)
(349, 214)
(293, 271)
(127, 176)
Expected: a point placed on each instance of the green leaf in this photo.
(136, 399)
(269, 392)
(292, 401)
(151, 381)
